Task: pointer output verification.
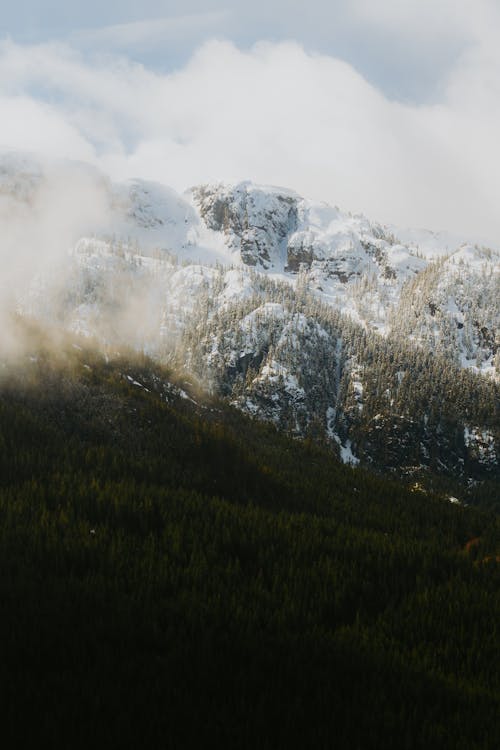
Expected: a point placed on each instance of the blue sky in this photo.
(391, 107)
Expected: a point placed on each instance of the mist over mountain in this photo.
(382, 342)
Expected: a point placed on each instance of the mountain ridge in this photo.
(319, 321)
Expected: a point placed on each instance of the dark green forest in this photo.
(176, 575)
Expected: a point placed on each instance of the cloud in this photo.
(30, 125)
(59, 201)
(44, 209)
(274, 114)
(139, 36)
(402, 46)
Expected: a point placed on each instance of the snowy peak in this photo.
(153, 215)
(421, 286)
(327, 234)
(151, 206)
(272, 228)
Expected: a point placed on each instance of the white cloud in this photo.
(61, 200)
(29, 125)
(274, 114)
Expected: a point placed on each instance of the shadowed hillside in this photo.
(175, 574)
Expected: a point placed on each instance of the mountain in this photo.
(178, 565)
(322, 322)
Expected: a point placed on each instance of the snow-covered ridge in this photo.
(428, 287)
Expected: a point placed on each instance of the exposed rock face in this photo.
(298, 256)
(256, 221)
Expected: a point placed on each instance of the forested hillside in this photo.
(175, 574)
(283, 355)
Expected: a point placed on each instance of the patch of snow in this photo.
(347, 455)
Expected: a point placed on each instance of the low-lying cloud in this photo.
(44, 209)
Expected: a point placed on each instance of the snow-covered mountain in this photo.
(298, 312)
